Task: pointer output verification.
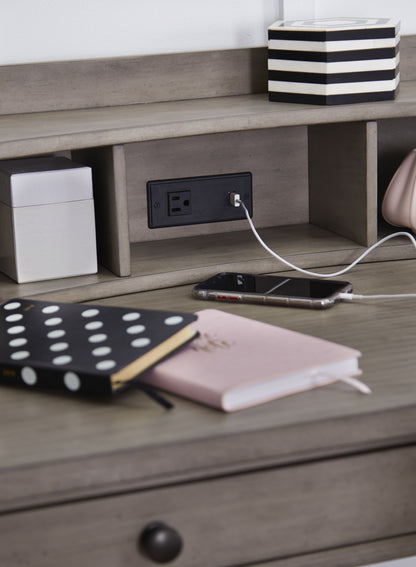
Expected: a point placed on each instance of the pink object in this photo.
(238, 362)
(399, 203)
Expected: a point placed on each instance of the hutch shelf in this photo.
(321, 170)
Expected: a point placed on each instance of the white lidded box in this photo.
(47, 223)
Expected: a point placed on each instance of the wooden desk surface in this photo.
(55, 448)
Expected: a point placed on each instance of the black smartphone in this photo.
(272, 290)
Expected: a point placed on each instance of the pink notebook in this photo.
(238, 362)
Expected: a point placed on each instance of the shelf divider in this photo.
(343, 179)
(111, 208)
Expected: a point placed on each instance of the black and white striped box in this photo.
(333, 60)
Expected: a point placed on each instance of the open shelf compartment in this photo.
(338, 148)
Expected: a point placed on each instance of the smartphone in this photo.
(272, 290)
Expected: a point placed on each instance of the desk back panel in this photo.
(277, 159)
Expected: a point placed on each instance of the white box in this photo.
(47, 224)
(334, 60)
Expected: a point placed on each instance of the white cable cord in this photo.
(316, 274)
(352, 296)
(236, 202)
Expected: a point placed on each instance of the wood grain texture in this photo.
(64, 85)
(238, 119)
(277, 159)
(388, 549)
(57, 448)
(80, 479)
(119, 81)
(166, 263)
(281, 512)
(343, 179)
(408, 57)
(45, 132)
(111, 207)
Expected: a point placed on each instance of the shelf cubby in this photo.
(317, 166)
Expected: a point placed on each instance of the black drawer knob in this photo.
(160, 542)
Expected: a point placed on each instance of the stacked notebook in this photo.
(88, 349)
(226, 361)
(237, 362)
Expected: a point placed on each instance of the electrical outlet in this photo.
(179, 203)
(196, 200)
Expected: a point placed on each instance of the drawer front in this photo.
(232, 520)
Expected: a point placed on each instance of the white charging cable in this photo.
(236, 201)
(351, 296)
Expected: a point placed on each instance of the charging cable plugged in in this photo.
(346, 296)
(235, 201)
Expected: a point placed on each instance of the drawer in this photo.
(233, 520)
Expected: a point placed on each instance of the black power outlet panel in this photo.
(195, 200)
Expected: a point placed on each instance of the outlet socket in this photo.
(196, 200)
(179, 203)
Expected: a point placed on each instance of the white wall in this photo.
(48, 30)
(404, 10)
(51, 30)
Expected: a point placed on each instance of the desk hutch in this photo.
(326, 478)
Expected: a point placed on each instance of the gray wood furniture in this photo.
(157, 117)
(323, 478)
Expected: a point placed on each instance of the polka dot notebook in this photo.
(88, 349)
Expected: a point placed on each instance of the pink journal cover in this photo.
(238, 362)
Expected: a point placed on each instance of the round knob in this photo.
(160, 542)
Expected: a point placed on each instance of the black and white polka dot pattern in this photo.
(77, 347)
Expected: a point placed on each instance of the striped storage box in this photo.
(333, 61)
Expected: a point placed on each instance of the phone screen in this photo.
(275, 285)
(304, 292)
